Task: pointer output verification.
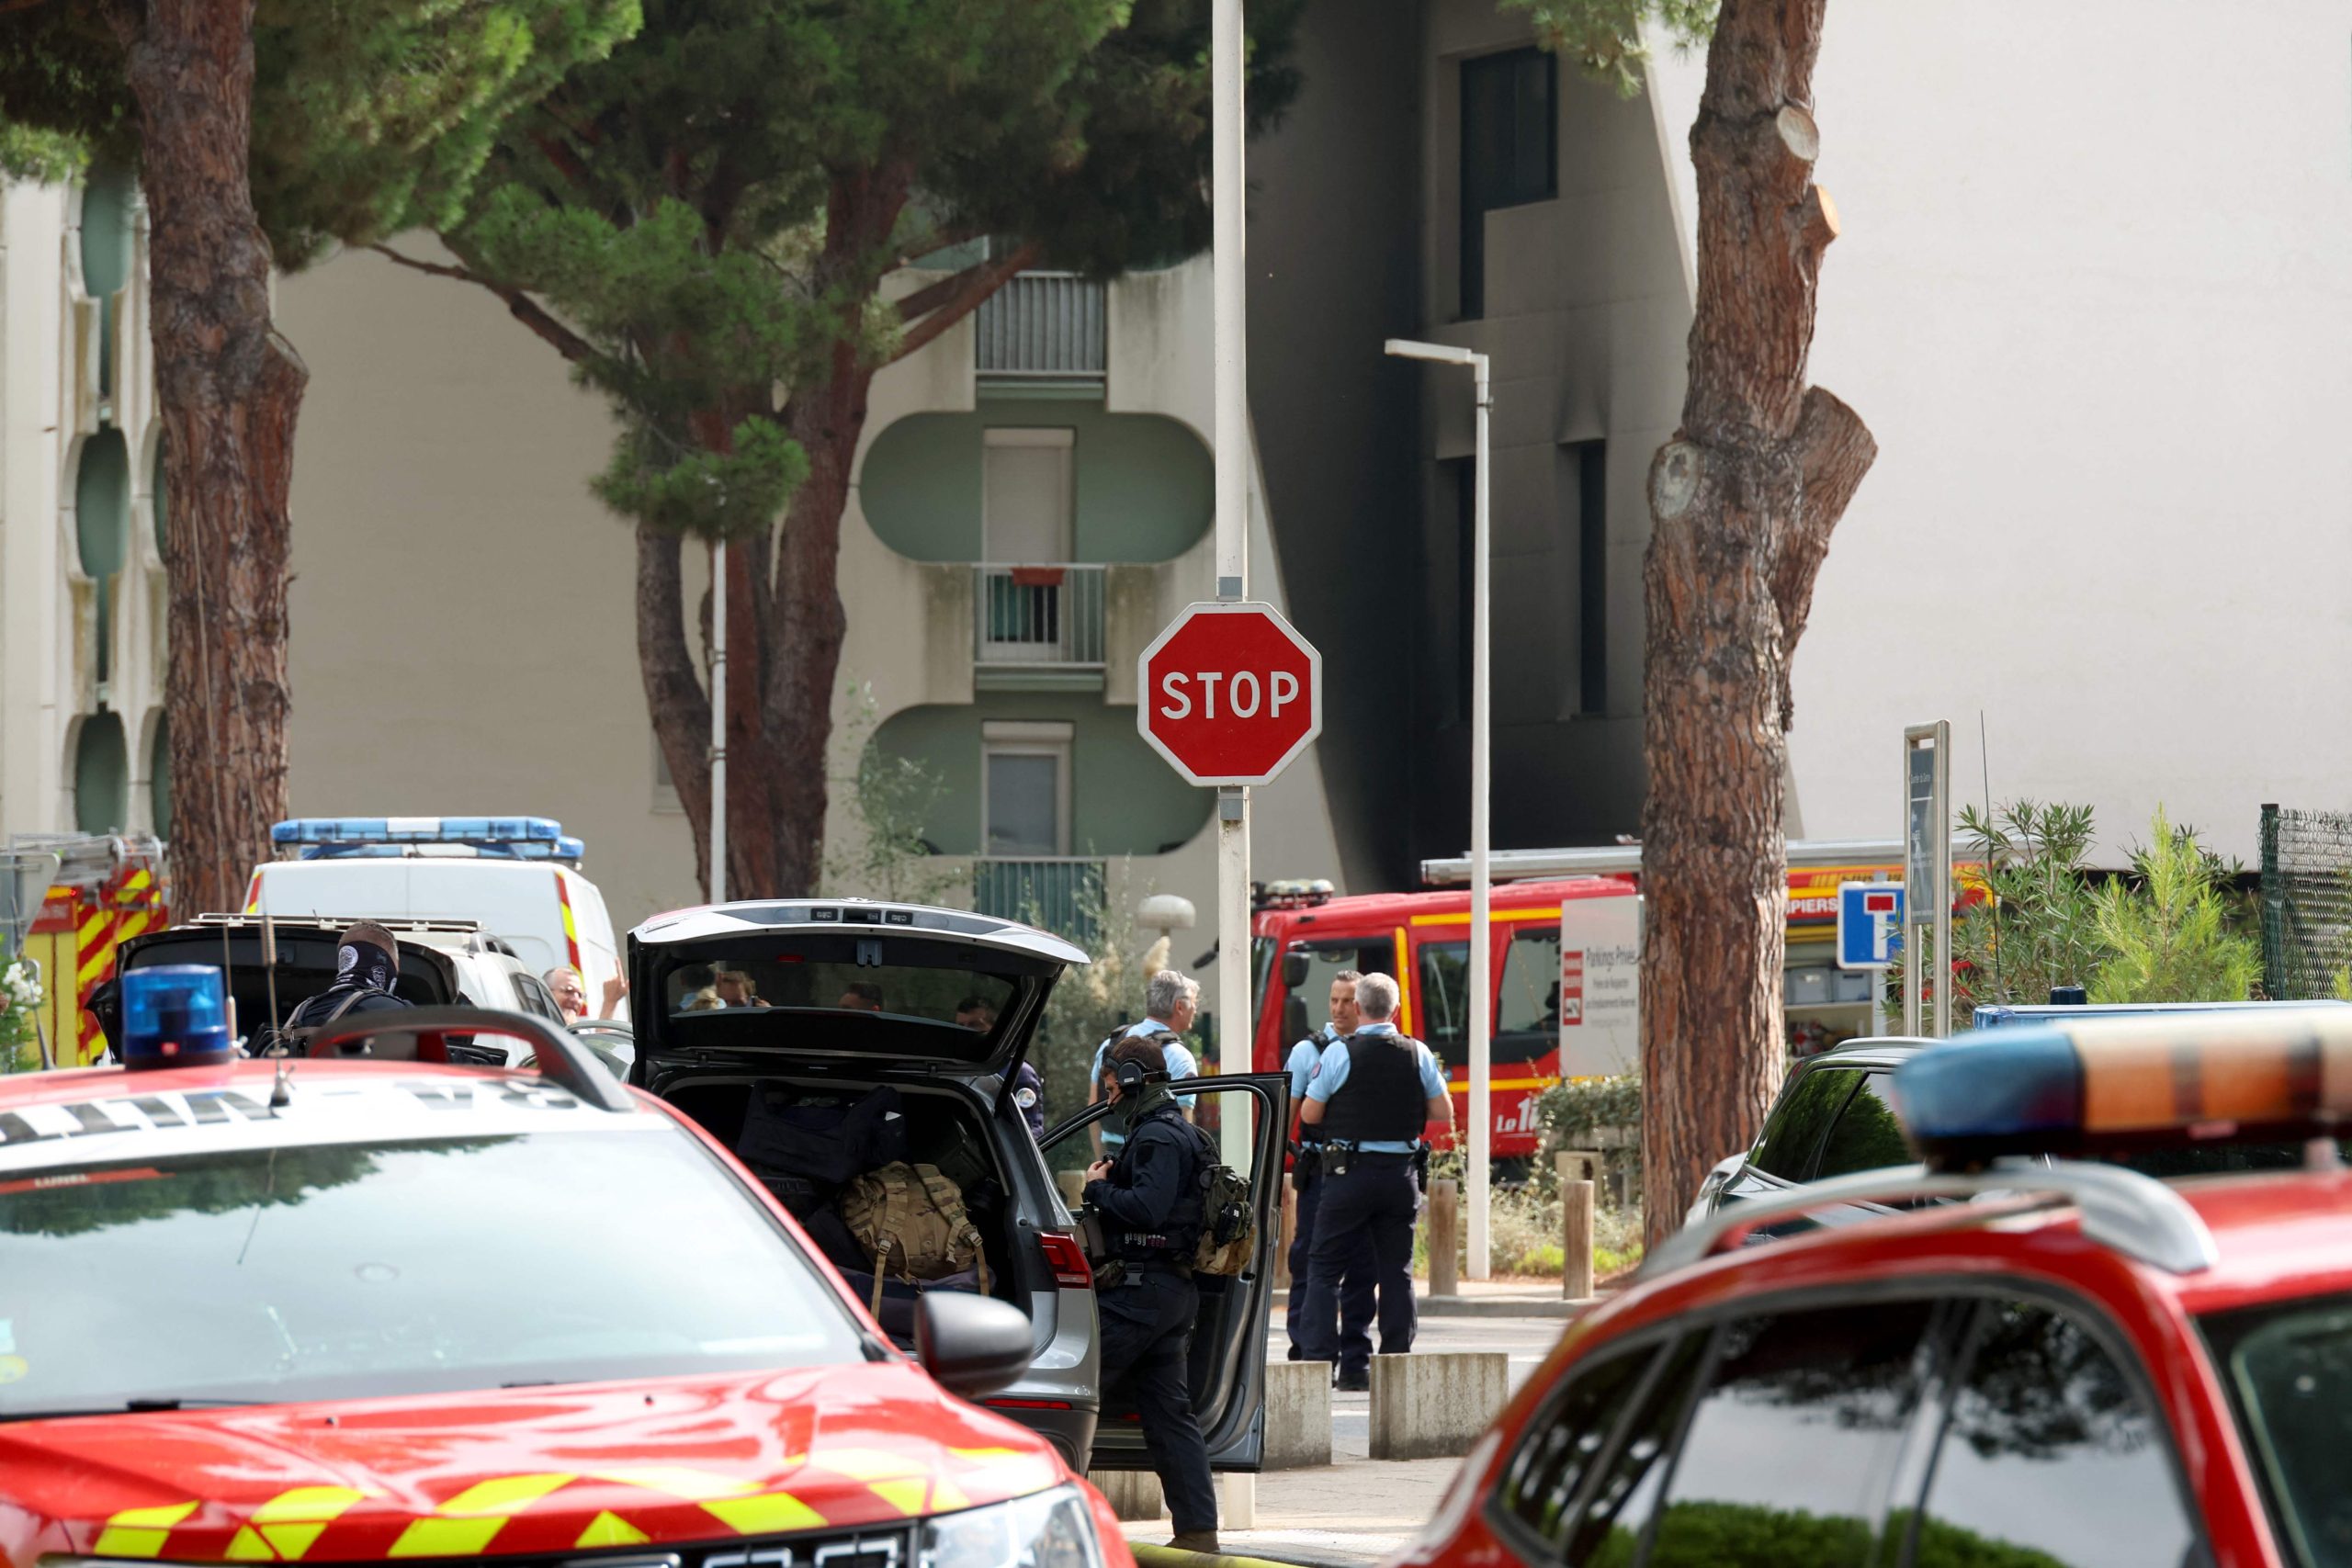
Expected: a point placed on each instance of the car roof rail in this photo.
(2136, 1215)
(561, 1060)
(394, 923)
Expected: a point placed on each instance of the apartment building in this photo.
(82, 743)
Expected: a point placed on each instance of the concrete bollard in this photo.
(1133, 1494)
(1073, 1188)
(1433, 1404)
(1299, 1415)
(1576, 1242)
(1238, 1506)
(1445, 1216)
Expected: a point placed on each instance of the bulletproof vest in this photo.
(1382, 1098)
(1181, 1235)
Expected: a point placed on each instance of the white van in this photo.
(518, 876)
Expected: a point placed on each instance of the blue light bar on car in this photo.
(2122, 1083)
(417, 830)
(564, 849)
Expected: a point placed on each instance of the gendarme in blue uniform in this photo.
(1355, 1282)
(1376, 1086)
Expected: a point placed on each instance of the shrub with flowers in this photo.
(21, 1000)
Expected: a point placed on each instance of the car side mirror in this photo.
(1294, 971)
(972, 1345)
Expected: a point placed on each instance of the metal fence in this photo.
(1042, 324)
(1056, 893)
(1049, 615)
(2306, 901)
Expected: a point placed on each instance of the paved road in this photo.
(1362, 1509)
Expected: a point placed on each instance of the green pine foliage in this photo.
(368, 116)
(2034, 927)
(2169, 932)
(1610, 38)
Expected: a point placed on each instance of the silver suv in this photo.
(834, 1024)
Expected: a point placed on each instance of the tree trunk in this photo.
(230, 389)
(1741, 503)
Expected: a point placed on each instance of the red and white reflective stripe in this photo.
(571, 930)
(253, 895)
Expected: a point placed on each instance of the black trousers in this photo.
(1355, 1281)
(1147, 1343)
(1372, 1205)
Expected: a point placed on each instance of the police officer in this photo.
(367, 968)
(1372, 1094)
(1355, 1283)
(1149, 1201)
(1171, 1000)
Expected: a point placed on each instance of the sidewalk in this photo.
(1487, 1297)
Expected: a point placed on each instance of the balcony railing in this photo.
(1053, 893)
(1042, 324)
(1047, 616)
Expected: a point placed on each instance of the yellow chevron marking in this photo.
(1014, 1468)
(695, 1485)
(867, 1464)
(771, 1513)
(307, 1505)
(472, 1519)
(247, 1546)
(141, 1532)
(611, 1529)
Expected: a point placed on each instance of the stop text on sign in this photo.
(1243, 692)
(1229, 694)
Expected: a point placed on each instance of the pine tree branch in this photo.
(523, 308)
(945, 304)
(1834, 450)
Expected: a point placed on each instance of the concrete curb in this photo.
(1150, 1556)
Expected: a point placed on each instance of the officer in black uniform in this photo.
(1372, 1094)
(1149, 1201)
(367, 968)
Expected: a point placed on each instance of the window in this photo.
(532, 996)
(1445, 1014)
(1590, 459)
(1307, 1006)
(2289, 1373)
(1527, 1014)
(1792, 1448)
(1619, 1502)
(1560, 1445)
(1462, 472)
(1793, 1130)
(1509, 150)
(1024, 789)
(2050, 1448)
(1866, 1135)
(1026, 495)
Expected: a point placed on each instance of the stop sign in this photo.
(1229, 694)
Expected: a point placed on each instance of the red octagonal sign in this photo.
(1229, 694)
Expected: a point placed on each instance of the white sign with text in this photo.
(1600, 962)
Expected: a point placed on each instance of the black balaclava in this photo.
(1134, 1106)
(363, 964)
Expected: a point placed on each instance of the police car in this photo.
(351, 1311)
(2077, 1364)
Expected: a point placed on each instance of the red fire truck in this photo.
(1541, 994)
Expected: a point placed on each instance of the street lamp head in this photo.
(1439, 353)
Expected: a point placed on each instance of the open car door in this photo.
(1229, 1342)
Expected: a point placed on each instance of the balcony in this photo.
(1039, 620)
(1042, 326)
(1054, 893)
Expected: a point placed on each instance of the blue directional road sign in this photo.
(1870, 924)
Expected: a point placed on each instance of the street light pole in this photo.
(1479, 1154)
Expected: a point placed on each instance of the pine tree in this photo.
(2168, 931)
(708, 225)
(1741, 502)
(261, 133)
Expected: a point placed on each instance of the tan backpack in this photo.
(912, 1217)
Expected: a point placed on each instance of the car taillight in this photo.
(1067, 1259)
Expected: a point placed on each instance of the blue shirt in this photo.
(1305, 1057)
(1181, 1065)
(1331, 1072)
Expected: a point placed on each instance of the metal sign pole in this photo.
(719, 722)
(1236, 1026)
(1927, 870)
